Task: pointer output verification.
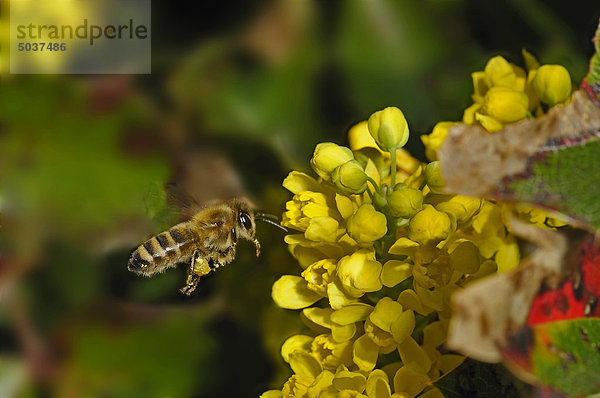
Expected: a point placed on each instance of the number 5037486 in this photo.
(42, 47)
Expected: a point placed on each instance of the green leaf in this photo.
(565, 355)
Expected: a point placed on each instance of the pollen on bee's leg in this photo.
(198, 268)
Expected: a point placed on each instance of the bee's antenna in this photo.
(269, 219)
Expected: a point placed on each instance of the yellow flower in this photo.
(552, 84)
(405, 202)
(350, 178)
(506, 105)
(389, 128)
(462, 207)
(306, 205)
(292, 292)
(500, 73)
(367, 225)
(319, 275)
(327, 157)
(383, 339)
(359, 272)
(434, 141)
(330, 353)
(429, 226)
(433, 177)
(296, 386)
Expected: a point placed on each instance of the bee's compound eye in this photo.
(245, 220)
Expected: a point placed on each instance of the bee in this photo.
(208, 241)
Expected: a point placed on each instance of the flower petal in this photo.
(413, 356)
(304, 364)
(291, 292)
(365, 353)
(320, 316)
(323, 229)
(385, 313)
(341, 333)
(346, 380)
(394, 272)
(298, 342)
(352, 313)
(409, 381)
(378, 385)
(338, 298)
(403, 326)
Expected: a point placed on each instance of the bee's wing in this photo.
(203, 177)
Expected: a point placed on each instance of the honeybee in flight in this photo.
(208, 241)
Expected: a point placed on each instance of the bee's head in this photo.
(245, 223)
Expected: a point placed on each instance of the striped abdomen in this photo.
(164, 250)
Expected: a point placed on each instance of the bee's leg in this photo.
(257, 244)
(198, 268)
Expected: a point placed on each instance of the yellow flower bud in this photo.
(435, 140)
(389, 128)
(405, 202)
(429, 226)
(350, 178)
(367, 225)
(433, 177)
(501, 73)
(327, 157)
(463, 207)
(506, 105)
(552, 84)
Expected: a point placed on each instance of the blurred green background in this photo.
(240, 93)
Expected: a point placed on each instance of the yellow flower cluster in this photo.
(381, 250)
(506, 93)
